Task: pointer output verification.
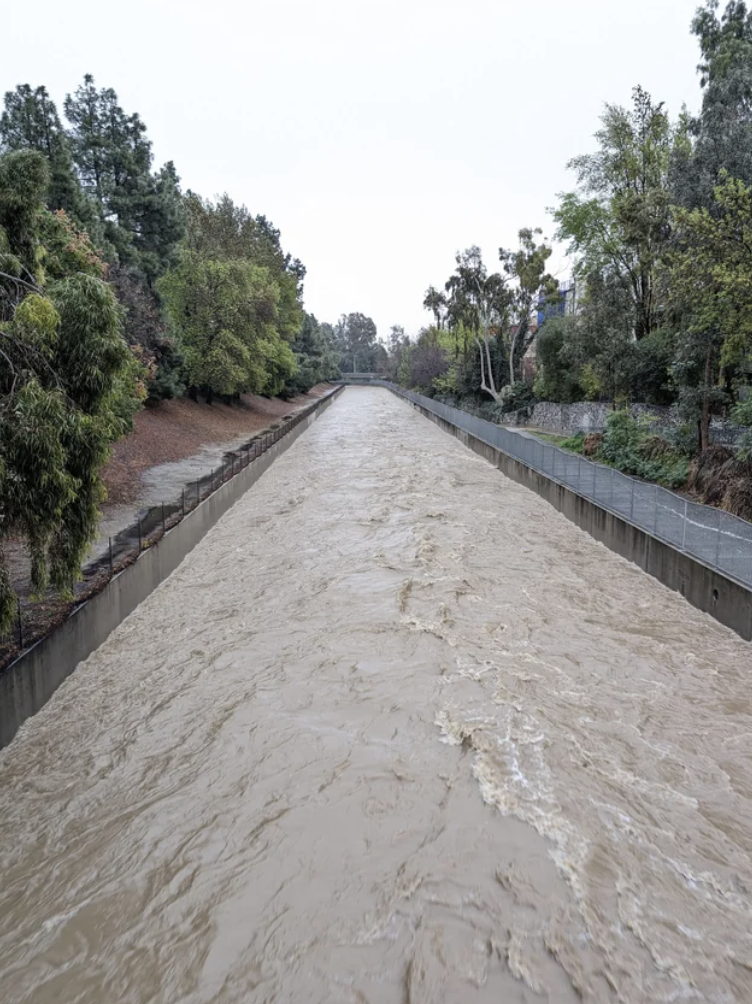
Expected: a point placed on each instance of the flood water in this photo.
(395, 732)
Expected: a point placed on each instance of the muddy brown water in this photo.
(395, 732)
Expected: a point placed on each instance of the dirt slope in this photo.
(175, 430)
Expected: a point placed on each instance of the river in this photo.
(395, 732)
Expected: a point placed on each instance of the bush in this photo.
(631, 447)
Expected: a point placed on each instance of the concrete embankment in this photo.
(29, 682)
(706, 588)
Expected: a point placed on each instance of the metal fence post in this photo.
(111, 562)
(140, 536)
(184, 503)
(718, 542)
(631, 502)
(655, 512)
(163, 521)
(684, 528)
(198, 492)
(20, 624)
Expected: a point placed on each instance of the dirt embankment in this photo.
(175, 430)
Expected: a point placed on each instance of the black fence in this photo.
(37, 617)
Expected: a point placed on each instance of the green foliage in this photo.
(742, 415)
(528, 285)
(436, 302)
(316, 357)
(560, 375)
(68, 383)
(30, 122)
(233, 302)
(631, 447)
(142, 212)
(617, 222)
(651, 377)
(575, 443)
(720, 137)
(225, 313)
(711, 282)
(360, 350)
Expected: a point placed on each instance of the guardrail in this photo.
(715, 537)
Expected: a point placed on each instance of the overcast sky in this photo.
(380, 136)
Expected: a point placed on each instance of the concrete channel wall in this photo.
(29, 682)
(725, 599)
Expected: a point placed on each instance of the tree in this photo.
(528, 286)
(497, 308)
(477, 310)
(427, 361)
(226, 313)
(720, 137)
(142, 211)
(436, 302)
(68, 383)
(30, 122)
(618, 221)
(711, 280)
(397, 337)
(315, 355)
(146, 331)
(356, 337)
(559, 366)
(224, 231)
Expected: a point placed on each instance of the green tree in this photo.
(435, 301)
(226, 314)
(558, 360)
(315, 356)
(142, 211)
(618, 220)
(224, 231)
(711, 279)
(30, 121)
(68, 383)
(478, 313)
(356, 337)
(720, 137)
(528, 285)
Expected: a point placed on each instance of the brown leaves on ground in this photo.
(718, 477)
(592, 443)
(176, 430)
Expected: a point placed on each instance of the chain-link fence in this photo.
(715, 537)
(38, 616)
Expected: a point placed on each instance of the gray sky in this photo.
(380, 137)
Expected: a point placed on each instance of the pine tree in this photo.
(142, 211)
(30, 121)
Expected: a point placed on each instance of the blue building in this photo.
(566, 304)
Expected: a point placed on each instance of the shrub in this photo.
(631, 447)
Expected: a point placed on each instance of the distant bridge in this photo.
(348, 378)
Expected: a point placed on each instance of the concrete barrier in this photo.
(29, 682)
(725, 599)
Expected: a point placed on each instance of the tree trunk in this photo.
(705, 417)
(512, 347)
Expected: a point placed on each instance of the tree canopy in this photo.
(68, 384)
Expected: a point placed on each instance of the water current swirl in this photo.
(394, 732)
